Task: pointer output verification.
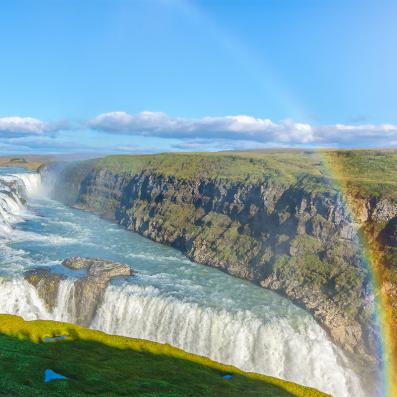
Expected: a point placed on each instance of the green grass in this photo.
(234, 166)
(363, 172)
(102, 365)
(31, 162)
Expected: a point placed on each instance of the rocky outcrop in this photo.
(344, 330)
(46, 284)
(295, 238)
(88, 290)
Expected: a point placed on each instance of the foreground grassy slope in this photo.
(103, 365)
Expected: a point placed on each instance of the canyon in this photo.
(292, 233)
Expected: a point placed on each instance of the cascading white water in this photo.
(31, 182)
(12, 195)
(64, 305)
(300, 352)
(171, 301)
(14, 191)
(20, 298)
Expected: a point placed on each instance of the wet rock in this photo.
(345, 331)
(46, 283)
(100, 269)
(86, 292)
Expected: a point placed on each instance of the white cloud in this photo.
(70, 143)
(380, 135)
(245, 128)
(24, 126)
(205, 133)
(226, 127)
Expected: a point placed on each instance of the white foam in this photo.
(298, 352)
(32, 183)
(12, 196)
(20, 298)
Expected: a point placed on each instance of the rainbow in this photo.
(383, 316)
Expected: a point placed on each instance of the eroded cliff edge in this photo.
(88, 288)
(274, 219)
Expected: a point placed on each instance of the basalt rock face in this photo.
(296, 239)
(87, 290)
(47, 285)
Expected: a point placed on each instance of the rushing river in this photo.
(169, 299)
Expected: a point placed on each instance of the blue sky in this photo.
(147, 76)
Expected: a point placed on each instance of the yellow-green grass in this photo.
(364, 172)
(252, 166)
(29, 162)
(104, 365)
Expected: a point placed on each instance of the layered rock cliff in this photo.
(292, 235)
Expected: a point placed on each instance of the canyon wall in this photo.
(295, 238)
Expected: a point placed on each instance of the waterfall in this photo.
(64, 309)
(18, 297)
(14, 192)
(12, 197)
(300, 351)
(279, 343)
(31, 182)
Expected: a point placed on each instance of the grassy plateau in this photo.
(363, 172)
